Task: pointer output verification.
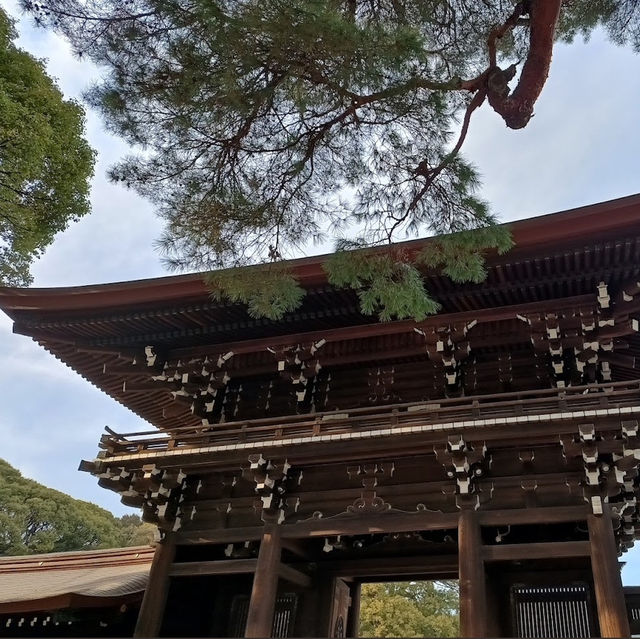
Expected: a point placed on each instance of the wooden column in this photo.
(612, 612)
(473, 604)
(265, 585)
(155, 596)
(353, 625)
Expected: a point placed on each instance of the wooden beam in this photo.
(155, 596)
(371, 524)
(221, 567)
(382, 568)
(295, 576)
(383, 523)
(235, 567)
(550, 550)
(295, 547)
(473, 599)
(265, 585)
(612, 612)
(381, 328)
(220, 535)
(544, 515)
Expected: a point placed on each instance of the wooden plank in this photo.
(356, 525)
(265, 585)
(384, 328)
(612, 612)
(371, 524)
(296, 548)
(543, 515)
(385, 523)
(381, 568)
(220, 535)
(221, 567)
(155, 596)
(473, 599)
(235, 567)
(295, 576)
(550, 550)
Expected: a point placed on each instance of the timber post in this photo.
(612, 612)
(155, 595)
(265, 584)
(353, 624)
(473, 604)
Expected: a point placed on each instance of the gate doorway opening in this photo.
(410, 609)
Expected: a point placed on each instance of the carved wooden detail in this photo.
(610, 472)
(467, 463)
(369, 475)
(272, 479)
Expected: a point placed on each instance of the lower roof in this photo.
(54, 581)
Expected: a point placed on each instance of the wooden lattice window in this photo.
(283, 618)
(552, 611)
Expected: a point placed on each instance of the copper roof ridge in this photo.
(571, 223)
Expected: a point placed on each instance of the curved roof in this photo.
(551, 229)
(73, 579)
(102, 331)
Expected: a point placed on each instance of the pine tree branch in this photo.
(516, 108)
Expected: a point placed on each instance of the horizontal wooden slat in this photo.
(397, 567)
(550, 550)
(221, 567)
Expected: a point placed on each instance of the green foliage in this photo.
(388, 280)
(263, 124)
(387, 283)
(37, 519)
(135, 532)
(620, 18)
(45, 163)
(268, 291)
(460, 256)
(409, 609)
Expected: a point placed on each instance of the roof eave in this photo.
(587, 221)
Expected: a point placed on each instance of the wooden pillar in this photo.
(612, 612)
(155, 596)
(265, 585)
(353, 625)
(473, 605)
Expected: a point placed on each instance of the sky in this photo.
(581, 147)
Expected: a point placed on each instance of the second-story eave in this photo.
(569, 227)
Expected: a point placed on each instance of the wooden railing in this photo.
(395, 417)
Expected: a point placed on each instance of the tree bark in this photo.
(517, 108)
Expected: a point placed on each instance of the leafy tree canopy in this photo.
(410, 609)
(45, 163)
(263, 124)
(37, 519)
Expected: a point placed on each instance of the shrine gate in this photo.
(495, 443)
